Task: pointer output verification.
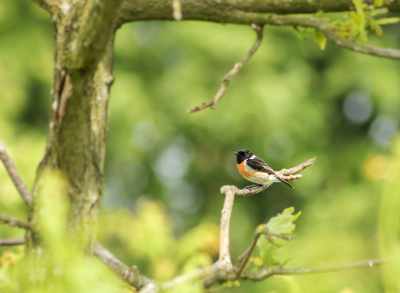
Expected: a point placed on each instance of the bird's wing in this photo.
(259, 165)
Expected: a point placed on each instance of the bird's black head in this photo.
(242, 155)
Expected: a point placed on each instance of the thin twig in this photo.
(244, 258)
(227, 78)
(12, 242)
(132, 276)
(15, 176)
(13, 222)
(278, 270)
(298, 168)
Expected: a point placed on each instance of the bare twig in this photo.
(12, 242)
(15, 176)
(132, 276)
(244, 258)
(13, 222)
(278, 270)
(227, 78)
(297, 169)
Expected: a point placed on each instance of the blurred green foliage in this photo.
(164, 167)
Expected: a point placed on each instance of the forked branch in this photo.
(13, 222)
(15, 176)
(227, 78)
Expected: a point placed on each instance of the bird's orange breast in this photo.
(242, 170)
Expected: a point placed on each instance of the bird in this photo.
(255, 169)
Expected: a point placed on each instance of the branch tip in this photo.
(236, 68)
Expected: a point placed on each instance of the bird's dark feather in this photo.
(259, 165)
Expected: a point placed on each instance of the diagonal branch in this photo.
(317, 23)
(244, 258)
(13, 222)
(132, 276)
(227, 78)
(278, 270)
(15, 176)
(331, 34)
(12, 242)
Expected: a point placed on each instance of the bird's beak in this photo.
(236, 153)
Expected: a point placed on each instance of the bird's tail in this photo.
(283, 181)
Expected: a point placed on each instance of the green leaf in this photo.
(298, 33)
(378, 11)
(268, 252)
(378, 3)
(320, 39)
(389, 20)
(358, 27)
(359, 6)
(319, 13)
(283, 223)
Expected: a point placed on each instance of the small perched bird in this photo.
(255, 169)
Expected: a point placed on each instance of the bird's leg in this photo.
(253, 186)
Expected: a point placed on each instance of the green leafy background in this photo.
(164, 167)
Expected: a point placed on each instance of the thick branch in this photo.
(13, 222)
(224, 260)
(219, 10)
(260, 12)
(238, 65)
(15, 176)
(132, 276)
(12, 242)
(96, 29)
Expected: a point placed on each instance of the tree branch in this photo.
(262, 13)
(132, 276)
(13, 222)
(12, 242)
(238, 65)
(224, 260)
(218, 10)
(330, 32)
(244, 258)
(15, 176)
(94, 33)
(278, 270)
(286, 174)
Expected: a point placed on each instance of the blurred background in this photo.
(164, 167)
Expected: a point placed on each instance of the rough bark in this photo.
(78, 127)
(230, 11)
